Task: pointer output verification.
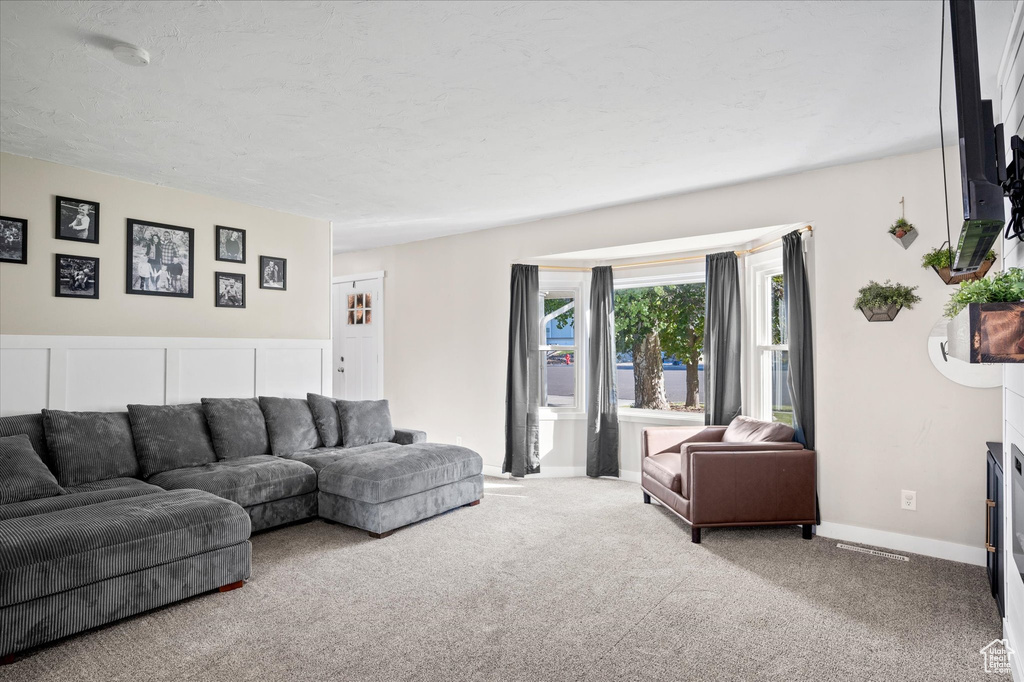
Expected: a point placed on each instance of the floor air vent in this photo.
(873, 552)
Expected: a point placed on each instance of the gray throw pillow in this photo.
(90, 446)
(325, 415)
(32, 426)
(290, 425)
(747, 430)
(23, 476)
(364, 422)
(237, 427)
(170, 437)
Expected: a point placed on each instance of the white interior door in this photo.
(358, 322)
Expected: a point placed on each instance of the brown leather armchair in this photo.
(749, 473)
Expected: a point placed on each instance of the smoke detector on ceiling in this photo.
(131, 55)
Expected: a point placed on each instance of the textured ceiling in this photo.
(402, 121)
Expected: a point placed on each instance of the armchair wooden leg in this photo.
(647, 498)
(473, 503)
(380, 536)
(807, 531)
(695, 535)
(7, 659)
(231, 586)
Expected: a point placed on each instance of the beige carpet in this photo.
(553, 579)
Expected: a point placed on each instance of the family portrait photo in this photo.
(76, 276)
(160, 259)
(13, 240)
(230, 244)
(77, 220)
(273, 273)
(230, 289)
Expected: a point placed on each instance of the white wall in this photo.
(887, 420)
(28, 188)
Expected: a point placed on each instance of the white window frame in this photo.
(761, 268)
(686, 274)
(575, 285)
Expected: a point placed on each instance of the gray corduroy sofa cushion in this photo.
(364, 422)
(90, 446)
(237, 427)
(112, 484)
(321, 457)
(289, 424)
(23, 476)
(325, 416)
(69, 500)
(32, 426)
(50, 553)
(247, 481)
(170, 437)
(396, 472)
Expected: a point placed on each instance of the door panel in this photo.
(357, 327)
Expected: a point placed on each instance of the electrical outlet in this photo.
(458, 440)
(908, 500)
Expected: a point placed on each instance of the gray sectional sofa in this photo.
(105, 515)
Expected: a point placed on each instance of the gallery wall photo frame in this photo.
(228, 290)
(273, 273)
(77, 220)
(13, 240)
(230, 244)
(76, 276)
(160, 259)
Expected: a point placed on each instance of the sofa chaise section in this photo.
(381, 490)
(68, 570)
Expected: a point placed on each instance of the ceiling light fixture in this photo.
(131, 55)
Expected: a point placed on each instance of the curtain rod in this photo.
(666, 261)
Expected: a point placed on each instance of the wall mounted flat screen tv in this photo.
(978, 141)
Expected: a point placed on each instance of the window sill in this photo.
(632, 414)
(549, 415)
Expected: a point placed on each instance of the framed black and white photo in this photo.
(76, 276)
(273, 273)
(13, 240)
(229, 289)
(77, 220)
(230, 244)
(160, 259)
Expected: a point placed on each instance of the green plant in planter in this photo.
(939, 258)
(1006, 287)
(875, 295)
(900, 228)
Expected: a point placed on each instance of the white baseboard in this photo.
(561, 472)
(904, 543)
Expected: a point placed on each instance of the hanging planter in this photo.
(882, 302)
(903, 232)
(940, 259)
(987, 319)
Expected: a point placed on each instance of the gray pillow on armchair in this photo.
(364, 422)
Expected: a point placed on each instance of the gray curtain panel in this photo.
(798, 317)
(722, 340)
(522, 388)
(602, 397)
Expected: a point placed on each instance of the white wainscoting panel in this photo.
(107, 379)
(24, 380)
(290, 372)
(216, 373)
(106, 373)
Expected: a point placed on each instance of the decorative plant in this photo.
(1002, 288)
(939, 257)
(900, 228)
(875, 295)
